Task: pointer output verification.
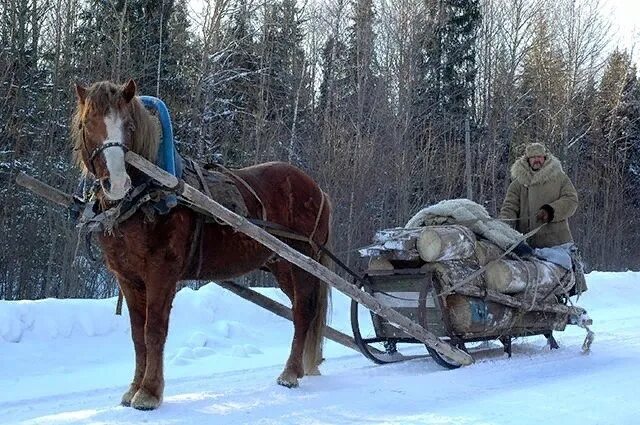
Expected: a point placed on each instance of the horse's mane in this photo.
(146, 127)
(146, 133)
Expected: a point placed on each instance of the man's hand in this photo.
(545, 214)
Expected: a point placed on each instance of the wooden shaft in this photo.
(44, 190)
(300, 260)
(286, 313)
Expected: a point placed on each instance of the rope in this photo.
(481, 271)
(588, 340)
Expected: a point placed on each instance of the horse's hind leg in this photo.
(137, 306)
(302, 289)
(160, 293)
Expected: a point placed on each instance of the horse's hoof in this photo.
(288, 380)
(145, 401)
(126, 397)
(313, 372)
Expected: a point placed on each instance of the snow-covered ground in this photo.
(69, 361)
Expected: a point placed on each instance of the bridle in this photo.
(97, 151)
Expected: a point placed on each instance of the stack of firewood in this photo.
(460, 253)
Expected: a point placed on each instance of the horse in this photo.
(148, 259)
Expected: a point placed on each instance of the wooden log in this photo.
(445, 243)
(437, 243)
(475, 317)
(44, 190)
(394, 244)
(286, 313)
(487, 252)
(457, 269)
(451, 273)
(512, 277)
(295, 257)
(511, 301)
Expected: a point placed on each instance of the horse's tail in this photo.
(315, 336)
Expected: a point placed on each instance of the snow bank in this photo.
(212, 316)
(49, 319)
(52, 318)
(612, 291)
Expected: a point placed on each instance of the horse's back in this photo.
(290, 196)
(277, 178)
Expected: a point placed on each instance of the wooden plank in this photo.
(399, 236)
(286, 313)
(409, 254)
(433, 322)
(295, 257)
(44, 190)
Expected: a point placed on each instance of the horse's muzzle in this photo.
(115, 190)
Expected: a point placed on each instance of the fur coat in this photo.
(548, 188)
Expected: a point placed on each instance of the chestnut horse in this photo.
(149, 258)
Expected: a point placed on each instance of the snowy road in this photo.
(72, 365)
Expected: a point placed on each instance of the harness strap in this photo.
(204, 185)
(315, 226)
(196, 244)
(278, 229)
(197, 240)
(98, 150)
(249, 188)
(105, 146)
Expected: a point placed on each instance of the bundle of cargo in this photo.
(457, 272)
(482, 244)
(429, 244)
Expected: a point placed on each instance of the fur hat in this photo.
(535, 149)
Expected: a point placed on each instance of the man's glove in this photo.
(545, 214)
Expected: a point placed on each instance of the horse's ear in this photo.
(129, 91)
(81, 92)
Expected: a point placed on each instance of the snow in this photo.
(69, 361)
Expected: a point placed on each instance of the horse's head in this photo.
(103, 132)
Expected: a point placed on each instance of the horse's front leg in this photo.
(160, 291)
(134, 294)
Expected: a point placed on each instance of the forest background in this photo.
(390, 104)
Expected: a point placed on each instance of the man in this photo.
(540, 193)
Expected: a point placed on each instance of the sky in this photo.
(624, 16)
(625, 19)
